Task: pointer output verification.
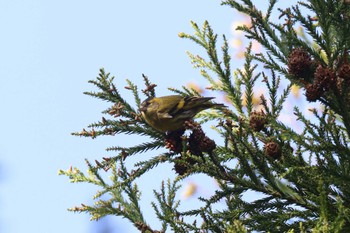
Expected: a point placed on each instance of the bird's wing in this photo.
(195, 102)
(169, 105)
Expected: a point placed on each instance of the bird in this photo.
(169, 113)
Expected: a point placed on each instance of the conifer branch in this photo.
(299, 177)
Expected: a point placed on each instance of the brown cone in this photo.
(344, 72)
(299, 64)
(257, 120)
(273, 150)
(313, 92)
(325, 78)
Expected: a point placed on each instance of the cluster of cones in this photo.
(319, 80)
(196, 144)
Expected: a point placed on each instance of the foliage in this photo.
(301, 179)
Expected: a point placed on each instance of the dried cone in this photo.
(300, 64)
(325, 78)
(344, 72)
(208, 145)
(273, 150)
(195, 140)
(199, 142)
(257, 120)
(180, 167)
(173, 141)
(313, 92)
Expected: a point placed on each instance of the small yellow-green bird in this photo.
(168, 113)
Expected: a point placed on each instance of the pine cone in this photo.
(195, 140)
(257, 120)
(180, 167)
(198, 143)
(344, 72)
(208, 145)
(325, 78)
(173, 141)
(300, 64)
(273, 150)
(313, 92)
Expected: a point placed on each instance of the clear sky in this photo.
(48, 52)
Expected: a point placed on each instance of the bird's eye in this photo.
(146, 104)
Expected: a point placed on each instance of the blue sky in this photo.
(49, 50)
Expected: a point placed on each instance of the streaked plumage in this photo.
(168, 113)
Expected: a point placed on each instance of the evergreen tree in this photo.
(301, 179)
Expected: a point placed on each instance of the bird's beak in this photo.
(143, 109)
